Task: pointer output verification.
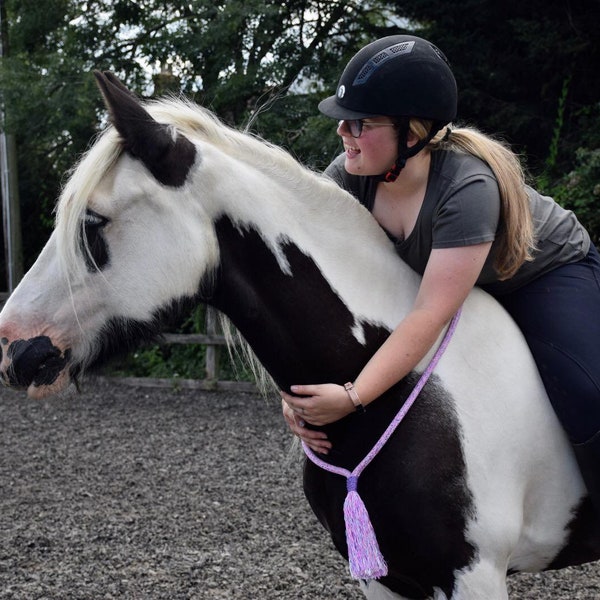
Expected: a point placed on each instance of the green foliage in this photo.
(579, 190)
(233, 57)
(292, 123)
(511, 60)
(180, 361)
(552, 158)
(168, 361)
(163, 361)
(50, 107)
(514, 63)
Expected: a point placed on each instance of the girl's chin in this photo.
(353, 168)
(353, 165)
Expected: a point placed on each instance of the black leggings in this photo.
(559, 314)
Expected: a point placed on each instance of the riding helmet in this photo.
(398, 75)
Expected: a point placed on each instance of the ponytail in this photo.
(516, 240)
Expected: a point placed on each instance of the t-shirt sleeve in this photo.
(359, 187)
(337, 173)
(470, 214)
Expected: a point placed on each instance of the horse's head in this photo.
(130, 243)
(170, 207)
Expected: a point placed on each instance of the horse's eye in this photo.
(93, 219)
(93, 244)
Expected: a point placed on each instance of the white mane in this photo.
(195, 123)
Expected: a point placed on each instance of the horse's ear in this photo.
(168, 155)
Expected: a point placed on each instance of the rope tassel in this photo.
(366, 560)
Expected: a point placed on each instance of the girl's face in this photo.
(374, 151)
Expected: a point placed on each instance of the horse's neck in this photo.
(313, 299)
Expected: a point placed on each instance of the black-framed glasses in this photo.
(355, 126)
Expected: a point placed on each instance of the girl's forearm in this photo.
(398, 355)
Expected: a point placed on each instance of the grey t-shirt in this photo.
(462, 207)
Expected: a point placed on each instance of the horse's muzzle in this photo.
(34, 361)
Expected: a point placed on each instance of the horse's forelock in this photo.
(83, 180)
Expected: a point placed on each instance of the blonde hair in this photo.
(516, 240)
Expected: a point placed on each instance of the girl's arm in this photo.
(450, 275)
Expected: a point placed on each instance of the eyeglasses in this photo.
(355, 126)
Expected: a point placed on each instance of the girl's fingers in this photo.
(316, 440)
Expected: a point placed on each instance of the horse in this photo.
(170, 208)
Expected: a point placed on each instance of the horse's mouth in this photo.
(39, 392)
(35, 365)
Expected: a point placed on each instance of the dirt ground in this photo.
(139, 493)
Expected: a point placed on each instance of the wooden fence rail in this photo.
(213, 342)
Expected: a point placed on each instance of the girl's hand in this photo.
(319, 404)
(316, 440)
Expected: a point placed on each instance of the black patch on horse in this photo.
(415, 489)
(309, 327)
(584, 538)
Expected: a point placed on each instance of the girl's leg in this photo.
(559, 314)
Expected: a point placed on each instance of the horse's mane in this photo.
(196, 123)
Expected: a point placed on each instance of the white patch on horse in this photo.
(359, 333)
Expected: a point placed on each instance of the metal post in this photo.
(11, 215)
(212, 351)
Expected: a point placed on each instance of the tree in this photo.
(49, 108)
(232, 56)
(526, 70)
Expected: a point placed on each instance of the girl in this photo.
(456, 206)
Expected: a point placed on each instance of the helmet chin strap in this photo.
(393, 173)
(404, 151)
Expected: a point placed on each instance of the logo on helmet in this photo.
(380, 58)
(341, 91)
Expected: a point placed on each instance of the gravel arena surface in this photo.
(129, 492)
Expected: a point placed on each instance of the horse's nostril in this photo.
(36, 361)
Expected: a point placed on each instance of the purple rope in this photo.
(352, 476)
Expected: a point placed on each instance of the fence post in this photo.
(212, 351)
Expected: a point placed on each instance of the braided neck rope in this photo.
(366, 561)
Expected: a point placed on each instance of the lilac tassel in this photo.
(366, 561)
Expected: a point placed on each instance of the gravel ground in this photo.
(141, 493)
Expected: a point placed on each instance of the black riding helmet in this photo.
(399, 76)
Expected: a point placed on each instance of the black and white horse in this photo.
(170, 208)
